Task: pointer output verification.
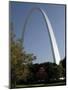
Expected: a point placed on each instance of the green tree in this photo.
(63, 64)
(20, 60)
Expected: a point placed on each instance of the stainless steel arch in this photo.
(54, 47)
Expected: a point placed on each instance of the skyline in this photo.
(36, 35)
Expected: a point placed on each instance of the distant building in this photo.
(41, 74)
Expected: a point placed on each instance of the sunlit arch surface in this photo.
(54, 47)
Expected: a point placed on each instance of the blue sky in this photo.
(36, 39)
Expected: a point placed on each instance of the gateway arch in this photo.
(54, 47)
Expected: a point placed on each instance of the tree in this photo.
(53, 71)
(63, 64)
(20, 60)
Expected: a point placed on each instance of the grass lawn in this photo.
(40, 85)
